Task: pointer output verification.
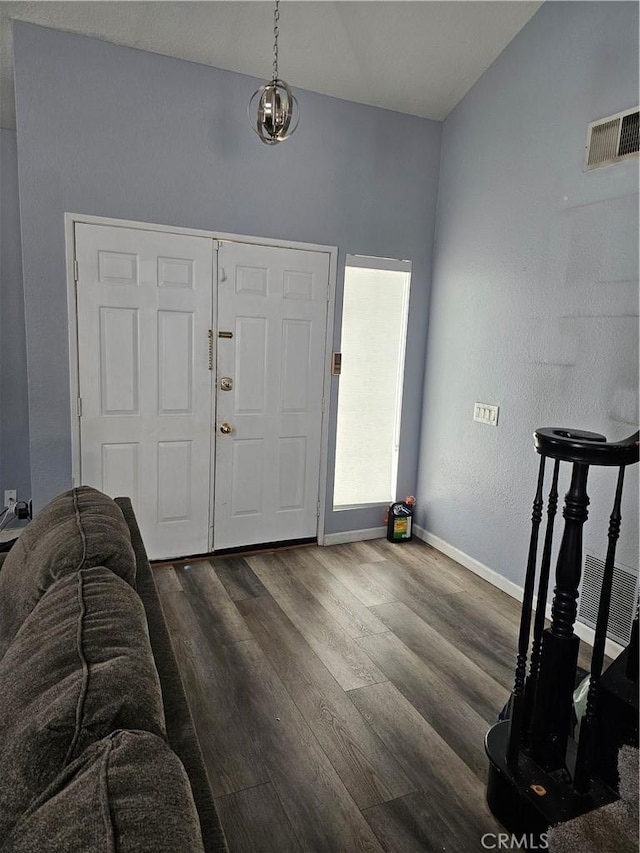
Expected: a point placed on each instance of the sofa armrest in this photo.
(180, 729)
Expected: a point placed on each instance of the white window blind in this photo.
(374, 321)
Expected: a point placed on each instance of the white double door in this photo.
(201, 368)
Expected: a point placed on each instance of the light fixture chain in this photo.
(273, 108)
(276, 33)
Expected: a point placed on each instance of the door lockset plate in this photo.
(226, 383)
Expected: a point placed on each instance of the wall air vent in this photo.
(612, 139)
(624, 598)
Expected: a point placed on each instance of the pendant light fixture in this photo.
(273, 108)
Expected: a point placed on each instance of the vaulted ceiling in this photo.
(414, 57)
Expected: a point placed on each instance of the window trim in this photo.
(392, 265)
(370, 263)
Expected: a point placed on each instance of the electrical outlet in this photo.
(10, 497)
(484, 413)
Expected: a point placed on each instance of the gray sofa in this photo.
(97, 746)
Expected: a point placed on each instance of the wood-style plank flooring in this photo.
(341, 695)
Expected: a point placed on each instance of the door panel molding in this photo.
(267, 484)
(144, 378)
(173, 277)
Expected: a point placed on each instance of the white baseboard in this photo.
(470, 563)
(585, 633)
(354, 535)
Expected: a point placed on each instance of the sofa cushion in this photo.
(128, 793)
(79, 668)
(79, 529)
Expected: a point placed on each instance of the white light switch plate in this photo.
(485, 413)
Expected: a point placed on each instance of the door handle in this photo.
(226, 383)
(226, 428)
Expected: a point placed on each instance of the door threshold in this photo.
(263, 547)
(241, 551)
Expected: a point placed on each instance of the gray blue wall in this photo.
(534, 302)
(14, 411)
(535, 293)
(117, 132)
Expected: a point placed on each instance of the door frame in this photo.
(70, 221)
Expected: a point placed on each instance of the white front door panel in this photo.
(273, 302)
(144, 304)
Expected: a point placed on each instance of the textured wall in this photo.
(534, 302)
(113, 131)
(14, 410)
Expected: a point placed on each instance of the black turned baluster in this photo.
(559, 654)
(530, 785)
(516, 718)
(632, 658)
(585, 745)
(541, 602)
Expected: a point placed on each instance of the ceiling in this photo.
(414, 57)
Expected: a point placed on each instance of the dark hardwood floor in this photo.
(341, 695)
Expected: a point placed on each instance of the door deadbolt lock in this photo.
(226, 383)
(226, 428)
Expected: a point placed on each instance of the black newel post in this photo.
(559, 655)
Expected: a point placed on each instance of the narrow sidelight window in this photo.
(374, 328)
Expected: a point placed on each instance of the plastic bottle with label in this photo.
(400, 520)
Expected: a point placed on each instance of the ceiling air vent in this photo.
(612, 139)
(624, 598)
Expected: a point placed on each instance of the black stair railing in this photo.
(541, 599)
(585, 745)
(538, 775)
(518, 694)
